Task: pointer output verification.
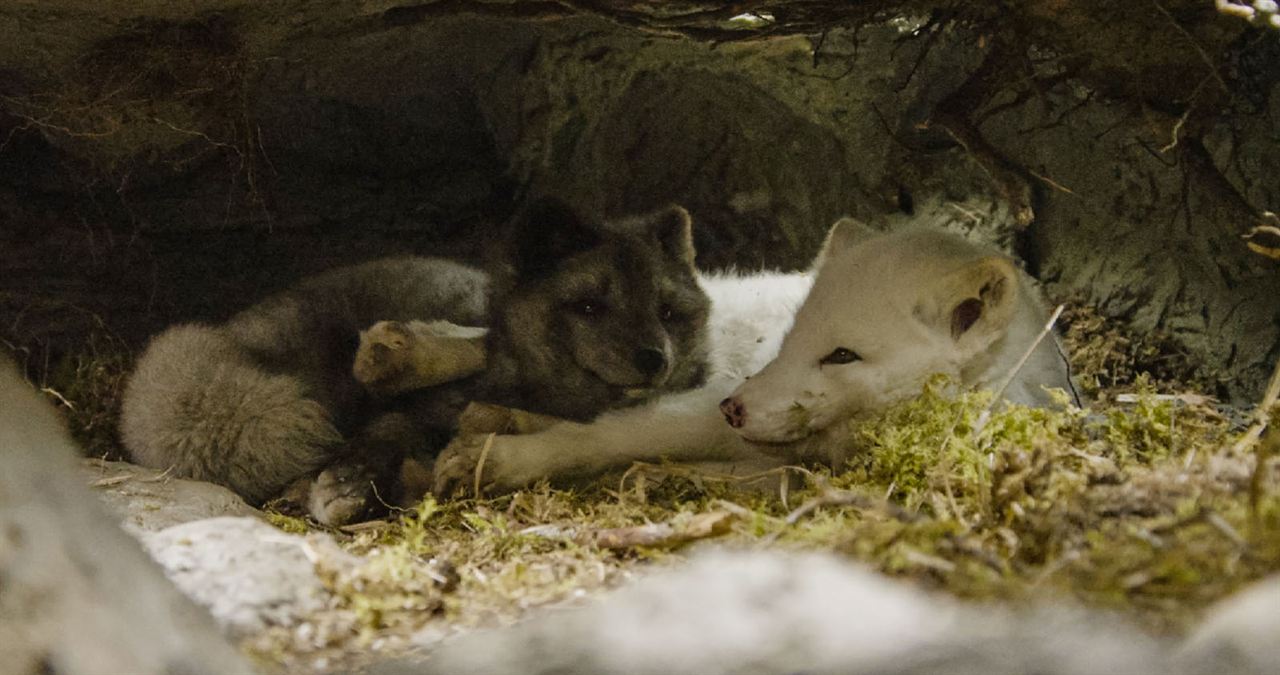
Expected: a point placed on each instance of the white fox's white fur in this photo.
(901, 307)
(910, 304)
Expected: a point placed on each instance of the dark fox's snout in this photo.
(735, 413)
(650, 361)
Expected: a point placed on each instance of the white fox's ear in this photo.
(974, 305)
(674, 228)
(845, 234)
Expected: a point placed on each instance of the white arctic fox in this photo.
(878, 315)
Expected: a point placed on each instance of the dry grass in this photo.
(1138, 504)
(86, 383)
(1099, 509)
(1107, 358)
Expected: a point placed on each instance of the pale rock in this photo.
(147, 500)
(248, 574)
(77, 595)
(1243, 630)
(771, 612)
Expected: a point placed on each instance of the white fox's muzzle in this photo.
(762, 424)
(735, 413)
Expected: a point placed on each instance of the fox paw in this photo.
(454, 472)
(502, 468)
(341, 495)
(385, 353)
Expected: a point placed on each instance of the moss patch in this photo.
(1139, 507)
(1137, 504)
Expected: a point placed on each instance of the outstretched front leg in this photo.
(395, 356)
(686, 427)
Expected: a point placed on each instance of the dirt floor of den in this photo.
(1141, 503)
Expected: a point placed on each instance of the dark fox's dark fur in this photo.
(593, 316)
(268, 397)
(582, 317)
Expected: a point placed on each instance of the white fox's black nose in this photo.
(650, 361)
(735, 413)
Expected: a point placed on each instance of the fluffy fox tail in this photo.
(196, 404)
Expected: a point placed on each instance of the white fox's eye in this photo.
(840, 355)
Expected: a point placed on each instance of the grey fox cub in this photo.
(582, 317)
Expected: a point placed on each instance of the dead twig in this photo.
(696, 474)
(744, 512)
(836, 497)
(113, 480)
(161, 477)
(829, 497)
(1051, 183)
(1261, 419)
(373, 486)
(670, 534)
(665, 535)
(1261, 414)
(366, 526)
(1207, 516)
(1220, 524)
(484, 455)
(1008, 379)
(61, 399)
(927, 561)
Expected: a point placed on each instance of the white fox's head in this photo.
(886, 312)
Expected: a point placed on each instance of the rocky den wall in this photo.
(164, 161)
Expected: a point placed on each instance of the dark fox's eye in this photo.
(840, 355)
(666, 313)
(587, 306)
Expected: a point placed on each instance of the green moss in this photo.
(919, 447)
(1134, 507)
(290, 524)
(1143, 431)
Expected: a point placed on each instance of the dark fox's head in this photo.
(591, 315)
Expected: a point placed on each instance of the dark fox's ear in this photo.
(674, 229)
(546, 232)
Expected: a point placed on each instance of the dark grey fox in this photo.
(582, 317)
